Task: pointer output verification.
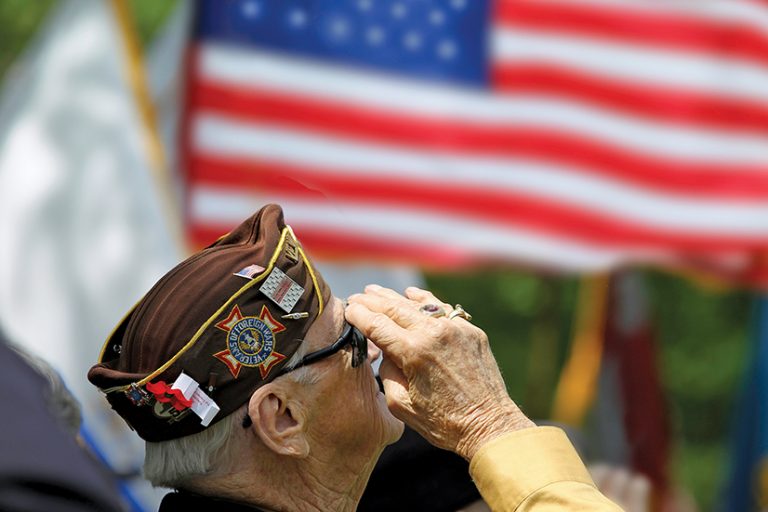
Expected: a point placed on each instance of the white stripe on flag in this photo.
(694, 71)
(253, 69)
(219, 136)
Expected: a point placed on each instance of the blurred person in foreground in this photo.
(253, 392)
(42, 467)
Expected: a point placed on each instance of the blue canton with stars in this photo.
(445, 40)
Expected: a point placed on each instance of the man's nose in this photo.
(374, 352)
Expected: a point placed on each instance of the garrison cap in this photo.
(216, 327)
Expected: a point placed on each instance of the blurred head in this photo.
(61, 402)
(224, 366)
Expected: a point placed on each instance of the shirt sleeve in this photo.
(535, 469)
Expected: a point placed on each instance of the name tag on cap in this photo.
(282, 290)
(202, 404)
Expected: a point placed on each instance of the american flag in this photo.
(566, 134)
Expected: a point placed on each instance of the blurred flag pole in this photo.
(575, 392)
(137, 79)
(746, 486)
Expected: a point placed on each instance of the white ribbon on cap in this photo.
(202, 404)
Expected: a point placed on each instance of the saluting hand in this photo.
(439, 374)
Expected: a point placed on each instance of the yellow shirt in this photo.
(535, 469)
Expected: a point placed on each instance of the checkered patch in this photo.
(282, 290)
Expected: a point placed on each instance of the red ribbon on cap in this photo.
(165, 394)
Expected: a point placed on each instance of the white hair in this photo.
(172, 463)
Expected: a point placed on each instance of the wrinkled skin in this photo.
(348, 413)
(439, 375)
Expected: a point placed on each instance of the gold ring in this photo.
(432, 310)
(460, 312)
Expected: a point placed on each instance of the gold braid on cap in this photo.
(286, 231)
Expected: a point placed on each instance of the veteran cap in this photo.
(212, 330)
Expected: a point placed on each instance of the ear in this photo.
(278, 421)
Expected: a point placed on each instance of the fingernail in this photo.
(373, 287)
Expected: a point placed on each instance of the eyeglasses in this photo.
(350, 335)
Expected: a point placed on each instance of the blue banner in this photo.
(746, 488)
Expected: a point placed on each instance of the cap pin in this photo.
(295, 316)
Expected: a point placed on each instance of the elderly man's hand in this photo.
(439, 375)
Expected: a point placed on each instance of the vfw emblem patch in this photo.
(250, 341)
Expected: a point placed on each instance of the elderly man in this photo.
(253, 392)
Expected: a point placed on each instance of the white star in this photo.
(339, 28)
(458, 4)
(412, 40)
(375, 36)
(446, 49)
(399, 11)
(251, 9)
(436, 17)
(297, 18)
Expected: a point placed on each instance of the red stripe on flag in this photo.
(639, 99)
(590, 156)
(664, 30)
(492, 206)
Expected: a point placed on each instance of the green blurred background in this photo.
(703, 332)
